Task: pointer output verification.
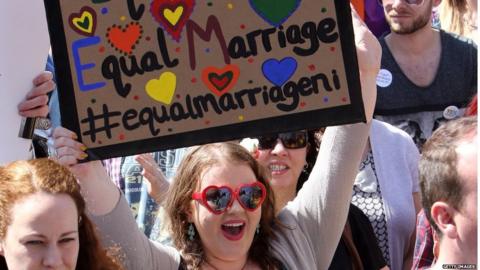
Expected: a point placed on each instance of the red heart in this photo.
(220, 81)
(124, 40)
(158, 8)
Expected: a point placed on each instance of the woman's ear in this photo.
(442, 213)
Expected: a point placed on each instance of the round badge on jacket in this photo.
(384, 78)
(451, 112)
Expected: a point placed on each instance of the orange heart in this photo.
(124, 40)
(220, 80)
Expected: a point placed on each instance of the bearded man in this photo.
(427, 76)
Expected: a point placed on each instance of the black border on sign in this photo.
(347, 114)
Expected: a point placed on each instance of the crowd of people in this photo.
(397, 192)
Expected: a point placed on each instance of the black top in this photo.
(365, 243)
(455, 81)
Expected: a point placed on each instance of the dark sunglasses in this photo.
(218, 199)
(410, 2)
(290, 140)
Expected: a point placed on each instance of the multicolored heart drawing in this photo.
(278, 72)
(172, 15)
(163, 88)
(220, 81)
(273, 11)
(124, 39)
(84, 22)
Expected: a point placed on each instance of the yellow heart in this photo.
(80, 22)
(173, 16)
(162, 90)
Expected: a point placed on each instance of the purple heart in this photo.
(278, 72)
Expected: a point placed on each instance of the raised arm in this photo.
(319, 212)
(157, 183)
(99, 191)
(109, 210)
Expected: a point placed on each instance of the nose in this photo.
(235, 207)
(396, 3)
(53, 256)
(279, 149)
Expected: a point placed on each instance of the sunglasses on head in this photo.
(218, 199)
(290, 140)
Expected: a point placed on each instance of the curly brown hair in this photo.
(195, 163)
(23, 178)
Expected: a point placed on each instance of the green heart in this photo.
(275, 12)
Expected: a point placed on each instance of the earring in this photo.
(305, 168)
(257, 231)
(191, 232)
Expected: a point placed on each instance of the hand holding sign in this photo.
(35, 103)
(68, 151)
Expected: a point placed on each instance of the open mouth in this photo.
(277, 168)
(233, 231)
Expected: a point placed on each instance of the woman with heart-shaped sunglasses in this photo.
(221, 206)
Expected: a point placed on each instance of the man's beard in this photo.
(417, 24)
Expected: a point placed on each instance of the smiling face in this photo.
(406, 19)
(285, 166)
(228, 236)
(43, 233)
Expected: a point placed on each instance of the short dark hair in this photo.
(439, 179)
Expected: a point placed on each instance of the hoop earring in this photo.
(191, 232)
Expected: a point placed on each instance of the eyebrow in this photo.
(44, 237)
(68, 233)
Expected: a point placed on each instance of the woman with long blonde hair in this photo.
(459, 17)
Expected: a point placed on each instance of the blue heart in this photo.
(278, 72)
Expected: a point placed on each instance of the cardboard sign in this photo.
(23, 53)
(138, 76)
